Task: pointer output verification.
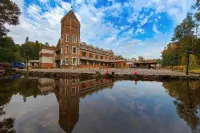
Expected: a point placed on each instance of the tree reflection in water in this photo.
(69, 91)
(25, 87)
(187, 101)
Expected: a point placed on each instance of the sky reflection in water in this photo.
(96, 106)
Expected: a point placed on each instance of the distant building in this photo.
(33, 63)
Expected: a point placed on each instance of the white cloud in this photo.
(132, 43)
(44, 26)
(66, 5)
(155, 29)
(44, 1)
(139, 31)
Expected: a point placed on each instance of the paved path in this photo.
(116, 71)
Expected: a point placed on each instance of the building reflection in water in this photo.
(68, 93)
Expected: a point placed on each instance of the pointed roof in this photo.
(71, 14)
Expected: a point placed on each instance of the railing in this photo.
(95, 59)
(92, 66)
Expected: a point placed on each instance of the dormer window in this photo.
(67, 37)
(74, 39)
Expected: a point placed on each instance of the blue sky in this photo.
(131, 28)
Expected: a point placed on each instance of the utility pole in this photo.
(188, 51)
(26, 55)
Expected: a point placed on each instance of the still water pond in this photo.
(98, 106)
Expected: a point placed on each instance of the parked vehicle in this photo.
(134, 66)
(18, 65)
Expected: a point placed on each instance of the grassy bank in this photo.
(183, 69)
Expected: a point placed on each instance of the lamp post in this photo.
(188, 51)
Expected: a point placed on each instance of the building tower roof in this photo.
(70, 14)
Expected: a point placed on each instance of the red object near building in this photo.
(135, 72)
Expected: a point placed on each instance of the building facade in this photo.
(46, 57)
(71, 53)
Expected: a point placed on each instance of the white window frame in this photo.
(74, 40)
(67, 37)
(67, 49)
(61, 62)
(66, 62)
(75, 60)
(73, 49)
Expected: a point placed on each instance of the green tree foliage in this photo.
(9, 14)
(185, 37)
(30, 49)
(171, 56)
(9, 51)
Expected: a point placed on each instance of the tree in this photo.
(9, 51)
(30, 49)
(9, 14)
(47, 44)
(185, 29)
(185, 37)
(141, 59)
(134, 59)
(27, 40)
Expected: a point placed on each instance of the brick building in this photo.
(46, 57)
(71, 53)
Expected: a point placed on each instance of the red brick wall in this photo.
(46, 65)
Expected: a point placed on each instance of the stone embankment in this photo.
(132, 74)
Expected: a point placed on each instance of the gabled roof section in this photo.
(71, 14)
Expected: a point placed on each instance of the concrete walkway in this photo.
(116, 71)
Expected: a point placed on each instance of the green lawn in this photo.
(195, 70)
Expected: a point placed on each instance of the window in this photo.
(74, 50)
(97, 56)
(90, 55)
(101, 57)
(66, 61)
(73, 91)
(73, 61)
(84, 54)
(67, 37)
(83, 46)
(67, 49)
(74, 39)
